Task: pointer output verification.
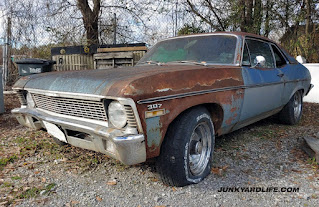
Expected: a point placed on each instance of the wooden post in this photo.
(114, 29)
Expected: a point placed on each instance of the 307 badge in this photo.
(154, 110)
(154, 106)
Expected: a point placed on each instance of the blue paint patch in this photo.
(153, 131)
(87, 83)
(263, 93)
(232, 111)
(254, 76)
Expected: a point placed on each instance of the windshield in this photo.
(213, 49)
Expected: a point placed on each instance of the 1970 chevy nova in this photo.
(182, 94)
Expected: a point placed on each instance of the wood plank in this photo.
(122, 49)
(113, 55)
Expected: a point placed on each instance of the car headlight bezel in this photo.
(117, 114)
(30, 101)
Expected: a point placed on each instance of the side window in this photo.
(259, 48)
(280, 60)
(246, 57)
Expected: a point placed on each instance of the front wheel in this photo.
(186, 153)
(292, 111)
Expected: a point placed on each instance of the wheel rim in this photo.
(297, 105)
(200, 148)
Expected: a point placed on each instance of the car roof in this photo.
(241, 34)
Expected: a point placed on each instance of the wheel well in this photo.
(216, 114)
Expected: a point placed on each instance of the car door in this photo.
(284, 69)
(263, 83)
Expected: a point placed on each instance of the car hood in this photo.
(143, 81)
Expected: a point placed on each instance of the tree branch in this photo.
(210, 6)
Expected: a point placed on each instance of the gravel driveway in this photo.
(34, 171)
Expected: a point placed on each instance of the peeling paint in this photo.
(153, 131)
(163, 90)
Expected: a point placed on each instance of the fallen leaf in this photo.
(225, 167)
(153, 179)
(36, 172)
(215, 170)
(75, 202)
(43, 180)
(99, 198)
(297, 171)
(112, 182)
(174, 189)
(309, 178)
(26, 188)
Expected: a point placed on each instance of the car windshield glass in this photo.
(213, 49)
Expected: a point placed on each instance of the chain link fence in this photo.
(31, 28)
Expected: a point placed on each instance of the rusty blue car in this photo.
(182, 94)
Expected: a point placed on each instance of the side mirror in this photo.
(260, 61)
(301, 59)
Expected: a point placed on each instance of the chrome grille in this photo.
(131, 122)
(72, 107)
(21, 98)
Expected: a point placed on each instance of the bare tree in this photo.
(90, 19)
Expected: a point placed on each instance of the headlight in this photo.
(117, 114)
(30, 101)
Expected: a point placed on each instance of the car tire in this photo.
(187, 150)
(292, 111)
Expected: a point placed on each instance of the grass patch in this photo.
(16, 178)
(34, 143)
(7, 160)
(264, 133)
(48, 188)
(30, 193)
(34, 191)
(6, 184)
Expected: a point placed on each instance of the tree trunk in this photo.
(242, 15)
(249, 15)
(267, 19)
(308, 16)
(90, 19)
(257, 16)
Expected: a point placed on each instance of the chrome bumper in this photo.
(128, 148)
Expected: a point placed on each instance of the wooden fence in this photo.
(73, 62)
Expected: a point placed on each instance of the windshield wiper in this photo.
(191, 62)
(151, 62)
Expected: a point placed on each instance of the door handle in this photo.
(280, 75)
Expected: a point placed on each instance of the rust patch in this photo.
(233, 109)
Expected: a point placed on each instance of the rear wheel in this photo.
(186, 153)
(291, 113)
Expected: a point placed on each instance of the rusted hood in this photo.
(142, 81)
(85, 81)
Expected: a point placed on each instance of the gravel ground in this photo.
(263, 155)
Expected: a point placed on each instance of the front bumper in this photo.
(128, 148)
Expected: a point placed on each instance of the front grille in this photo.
(21, 98)
(131, 122)
(72, 107)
